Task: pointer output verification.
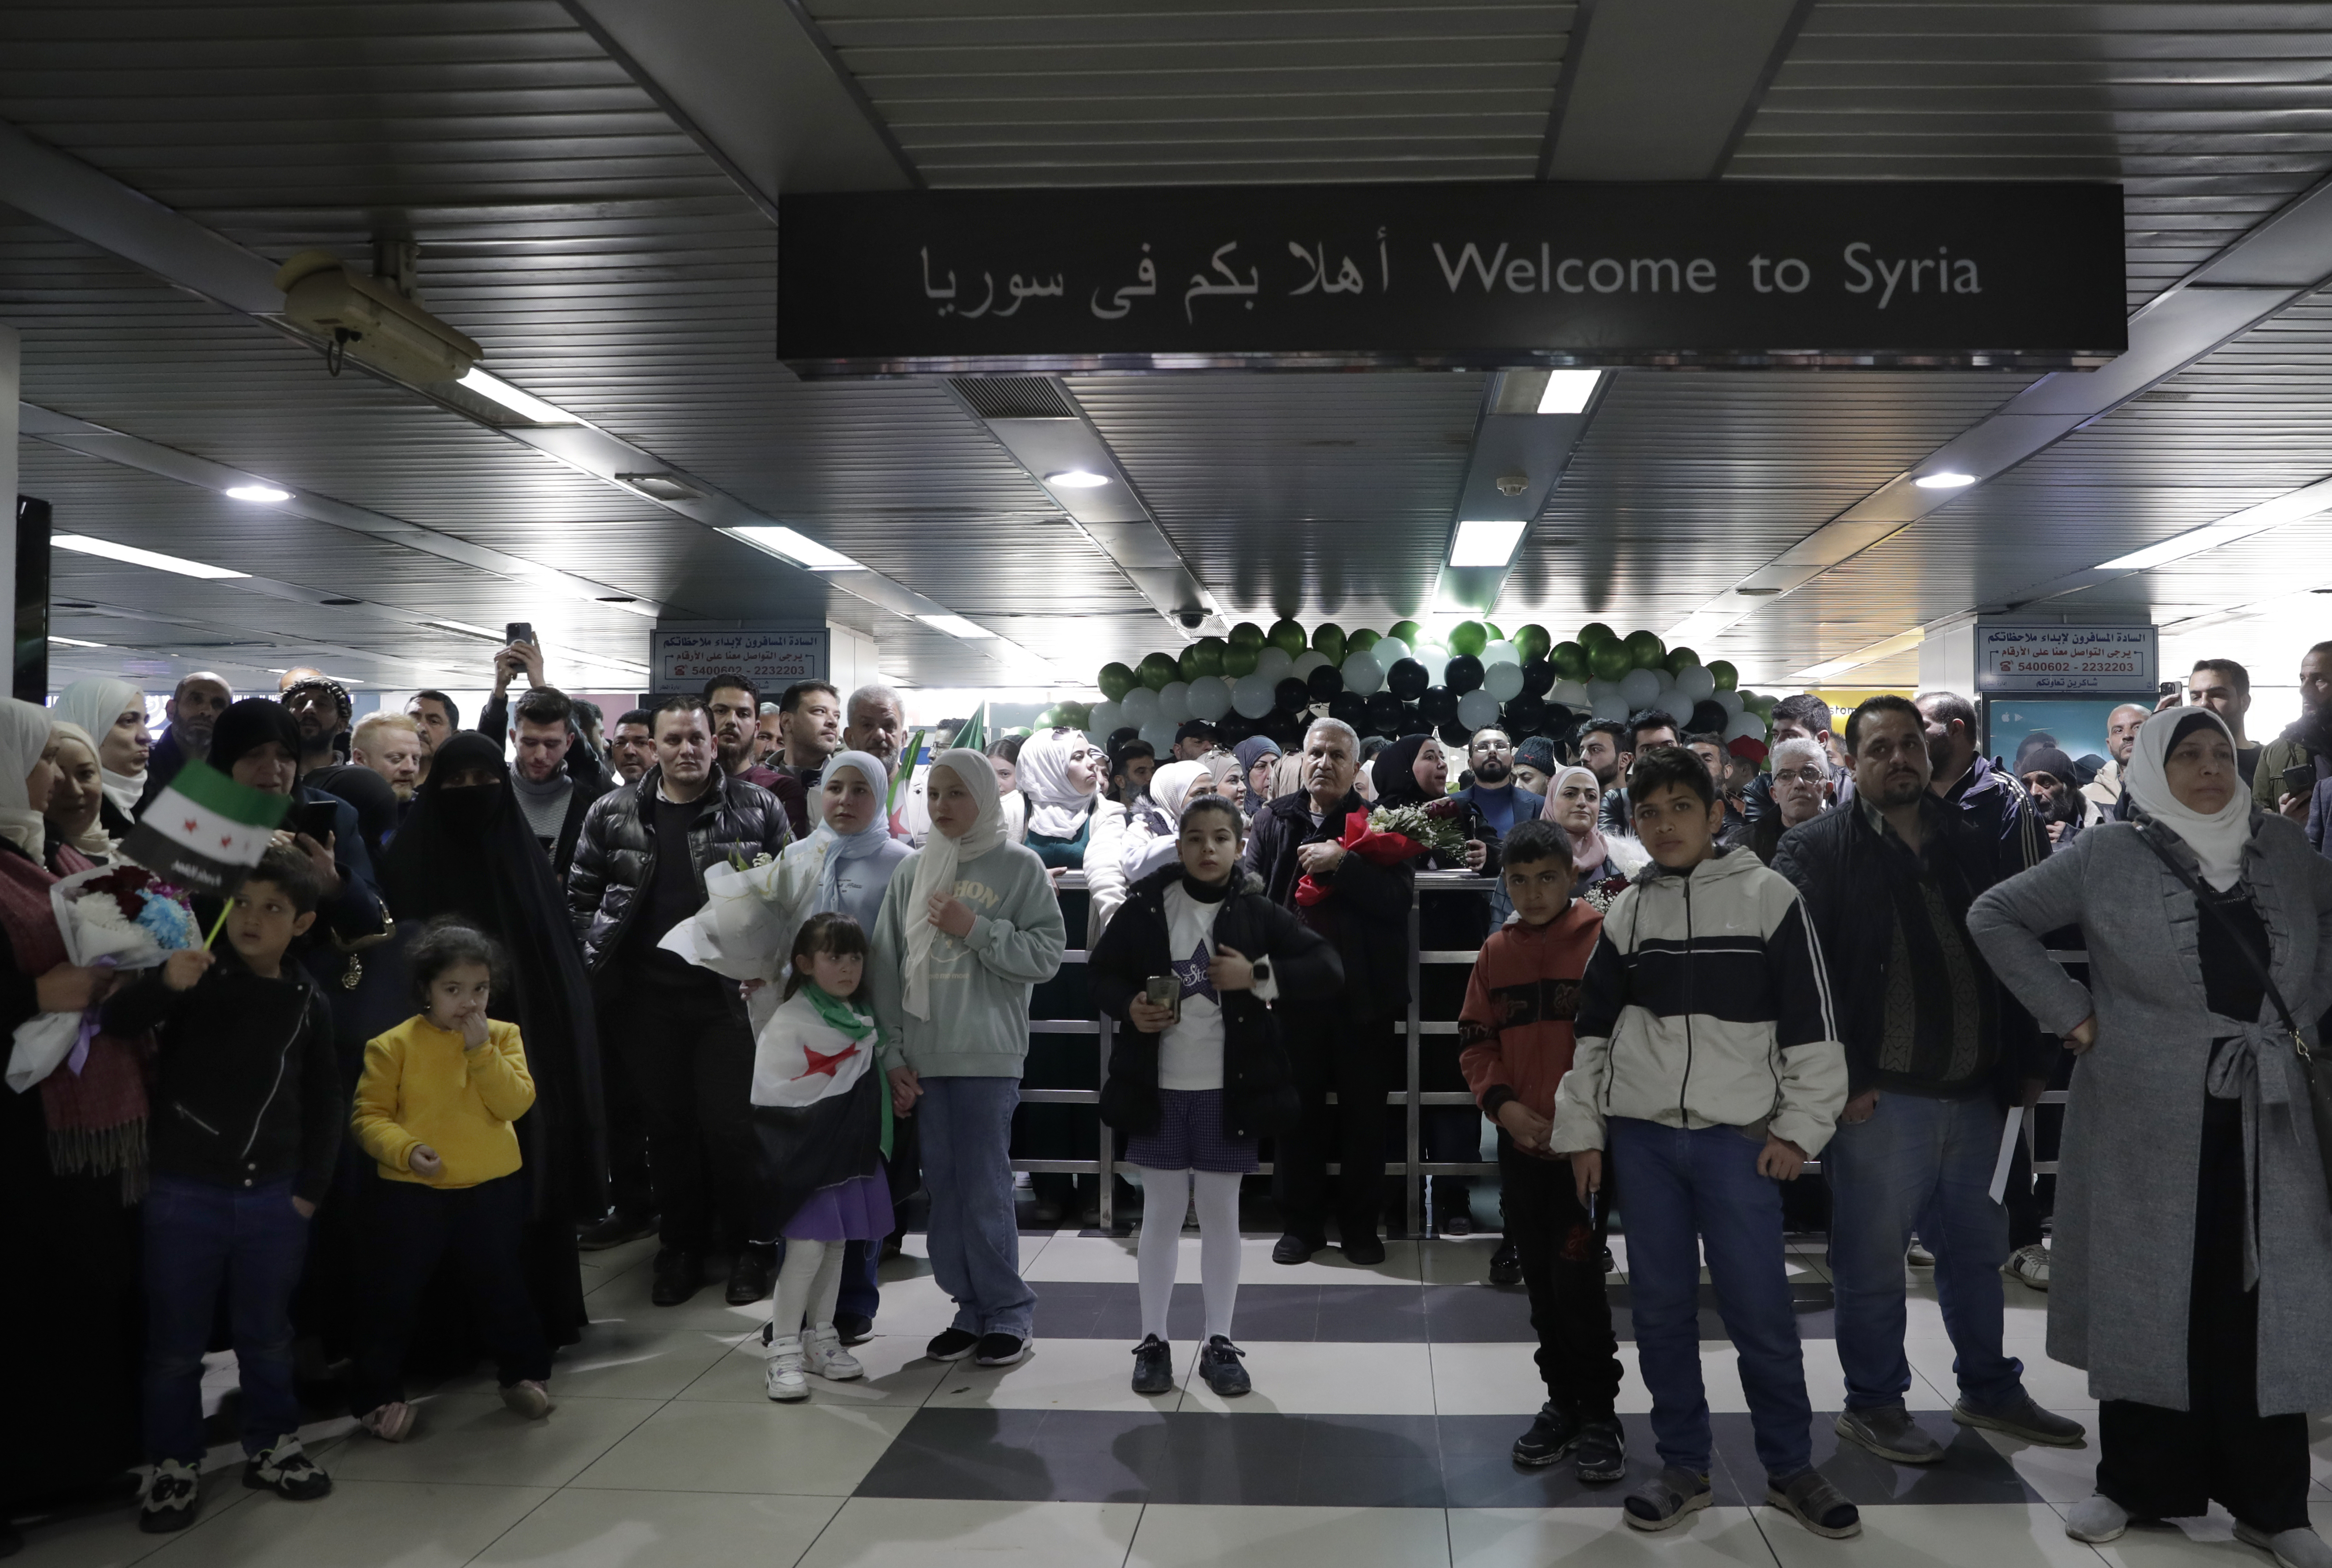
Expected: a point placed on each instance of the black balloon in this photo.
(1709, 715)
(1232, 728)
(1286, 728)
(1326, 684)
(1560, 721)
(1384, 713)
(1463, 674)
(1439, 706)
(1350, 707)
(1538, 678)
(1524, 714)
(1412, 721)
(1407, 680)
(1455, 734)
(1291, 695)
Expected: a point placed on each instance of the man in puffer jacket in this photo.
(1708, 1065)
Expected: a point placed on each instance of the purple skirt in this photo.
(1189, 1136)
(858, 1210)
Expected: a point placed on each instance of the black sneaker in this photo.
(1001, 1349)
(1366, 1249)
(286, 1470)
(1457, 1222)
(1218, 1363)
(172, 1500)
(1153, 1366)
(1506, 1263)
(1552, 1435)
(1600, 1453)
(614, 1229)
(678, 1274)
(953, 1345)
(1293, 1248)
(854, 1327)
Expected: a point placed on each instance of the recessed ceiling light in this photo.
(1076, 478)
(82, 544)
(661, 486)
(1567, 391)
(954, 626)
(525, 404)
(1946, 480)
(72, 642)
(264, 494)
(797, 547)
(1484, 544)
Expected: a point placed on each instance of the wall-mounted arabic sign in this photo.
(1749, 272)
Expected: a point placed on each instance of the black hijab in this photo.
(469, 852)
(1395, 771)
(249, 724)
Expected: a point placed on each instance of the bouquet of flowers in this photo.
(1392, 834)
(117, 916)
(1599, 895)
(743, 931)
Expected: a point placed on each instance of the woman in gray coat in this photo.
(2192, 1265)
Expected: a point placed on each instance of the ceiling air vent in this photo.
(661, 486)
(1013, 397)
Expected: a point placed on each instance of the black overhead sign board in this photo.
(1743, 272)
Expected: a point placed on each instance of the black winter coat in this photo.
(615, 857)
(1366, 914)
(1258, 1090)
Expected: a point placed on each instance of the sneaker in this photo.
(286, 1470)
(1667, 1500)
(2097, 1519)
(172, 1498)
(1367, 1250)
(1809, 1499)
(951, 1344)
(529, 1398)
(2025, 1420)
(2029, 1266)
(1153, 1366)
(614, 1229)
(1457, 1222)
(1218, 1363)
(1553, 1434)
(2300, 1547)
(1506, 1263)
(1293, 1248)
(824, 1356)
(853, 1327)
(1918, 1256)
(1001, 1349)
(391, 1421)
(781, 1378)
(1601, 1451)
(1888, 1431)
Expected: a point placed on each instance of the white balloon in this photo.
(1161, 736)
(1599, 689)
(1251, 695)
(1569, 693)
(1436, 662)
(1748, 725)
(1106, 719)
(1730, 702)
(1210, 698)
(1274, 663)
(1362, 674)
(1140, 706)
(1174, 701)
(1696, 684)
(1477, 710)
(1613, 706)
(1390, 651)
(1639, 688)
(1501, 653)
(1309, 660)
(1503, 681)
(1667, 681)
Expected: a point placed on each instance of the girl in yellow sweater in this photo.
(435, 1109)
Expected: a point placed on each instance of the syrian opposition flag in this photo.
(204, 831)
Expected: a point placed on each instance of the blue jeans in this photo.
(975, 1239)
(196, 1233)
(1925, 1163)
(1701, 1186)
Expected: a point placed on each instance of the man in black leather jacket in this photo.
(639, 871)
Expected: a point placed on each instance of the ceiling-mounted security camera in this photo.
(370, 318)
(1191, 619)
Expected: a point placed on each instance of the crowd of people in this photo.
(738, 973)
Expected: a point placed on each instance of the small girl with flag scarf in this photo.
(822, 1122)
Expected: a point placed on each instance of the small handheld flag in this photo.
(204, 831)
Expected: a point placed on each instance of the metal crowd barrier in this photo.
(1412, 1098)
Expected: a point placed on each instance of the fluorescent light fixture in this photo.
(72, 642)
(954, 626)
(1824, 672)
(1705, 622)
(267, 495)
(1567, 391)
(797, 547)
(2194, 542)
(632, 606)
(1482, 543)
(1901, 642)
(467, 628)
(525, 404)
(1076, 478)
(82, 544)
(1946, 480)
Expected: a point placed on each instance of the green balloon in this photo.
(1287, 635)
(1495, 635)
(1469, 639)
(1246, 634)
(1595, 634)
(1646, 649)
(1203, 657)
(1532, 641)
(1240, 659)
(1077, 715)
(1360, 642)
(1048, 718)
(1404, 631)
(1158, 669)
(1724, 675)
(1609, 661)
(1570, 661)
(1679, 660)
(1328, 639)
(1116, 680)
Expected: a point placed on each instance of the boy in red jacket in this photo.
(1515, 1032)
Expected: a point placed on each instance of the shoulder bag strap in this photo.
(2207, 906)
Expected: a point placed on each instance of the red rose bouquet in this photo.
(1392, 834)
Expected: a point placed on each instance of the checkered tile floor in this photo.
(1384, 1402)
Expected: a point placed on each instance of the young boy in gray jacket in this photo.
(968, 924)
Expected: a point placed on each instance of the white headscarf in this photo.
(937, 862)
(1057, 808)
(1170, 787)
(94, 839)
(2217, 839)
(23, 736)
(94, 704)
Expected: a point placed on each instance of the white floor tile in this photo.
(1961, 1534)
(711, 1445)
(897, 1373)
(585, 1528)
(1057, 1374)
(2208, 1542)
(1326, 1378)
(1488, 1379)
(1192, 1536)
(469, 1438)
(408, 1523)
(2058, 1387)
(1530, 1537)
(108, 1538)
(914, 1532)
(625, 1299)
(1111, 1260)
(2061, 1476)
(621, 1360)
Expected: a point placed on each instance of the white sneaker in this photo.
(826, 1357)
(782, 1378)
(2029, 1266)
